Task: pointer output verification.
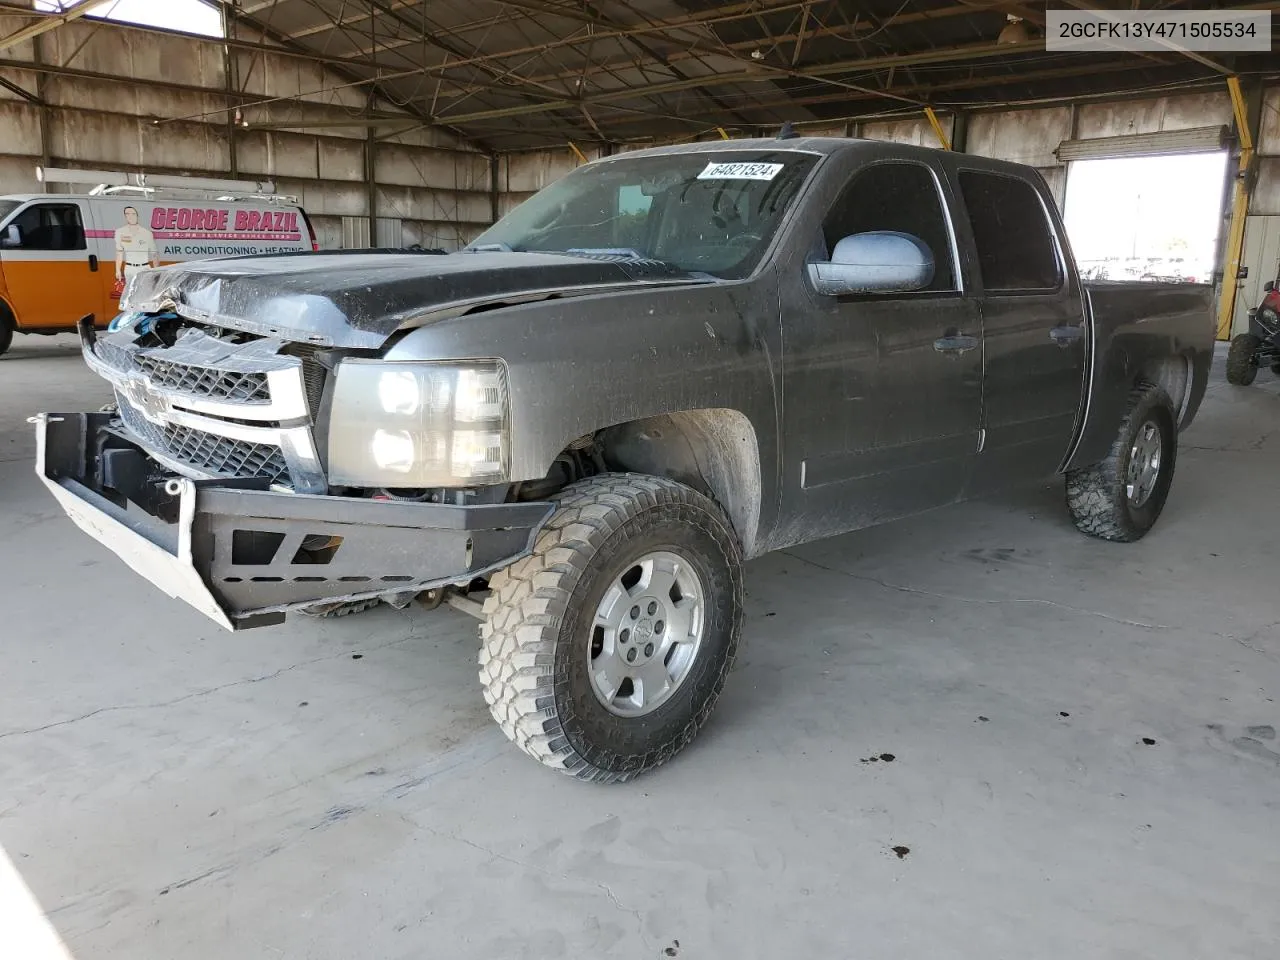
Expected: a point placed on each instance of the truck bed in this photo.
(1162, 332)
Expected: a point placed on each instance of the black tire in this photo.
(6, 329)
(1098, 496)
(537, 638)
(1242, 363)
(1275, 368)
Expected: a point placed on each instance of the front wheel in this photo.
(1242, 360)
(1121, 497)
(605, 650)
(6, 330)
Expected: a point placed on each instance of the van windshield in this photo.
(713, 212)
(7, 207)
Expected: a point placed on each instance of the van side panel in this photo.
(194, 229)
(51, 289)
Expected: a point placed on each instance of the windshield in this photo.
(701, 212)
(7, 207)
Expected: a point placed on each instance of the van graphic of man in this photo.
(135, 246)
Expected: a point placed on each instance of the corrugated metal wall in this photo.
(103, 116)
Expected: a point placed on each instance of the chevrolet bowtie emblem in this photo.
(150, 403)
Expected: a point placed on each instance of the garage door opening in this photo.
(1146, 218)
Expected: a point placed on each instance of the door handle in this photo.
(955, 344)
(93, 263)
(1065, 335)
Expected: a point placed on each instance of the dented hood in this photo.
(359, 299)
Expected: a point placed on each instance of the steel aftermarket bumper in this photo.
(245, 556)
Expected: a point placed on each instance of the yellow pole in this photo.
(582, 157)
(937, 128)
(723, 135)
(1239, 213)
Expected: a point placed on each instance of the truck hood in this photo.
(359, 299)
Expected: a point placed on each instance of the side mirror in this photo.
(1268, 286)
(12, 236)
(881, 261)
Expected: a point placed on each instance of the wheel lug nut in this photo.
(625, 636)
(659, 627)
(653, 608)
(648, 649)
(631, 655)
(635, 613)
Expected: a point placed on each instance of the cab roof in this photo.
(828, 146)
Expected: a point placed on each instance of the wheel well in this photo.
(714, 451)
(1174, 375)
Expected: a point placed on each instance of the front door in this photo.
(52, 277)
(882, 391)
(1033, 328)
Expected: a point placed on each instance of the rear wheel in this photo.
(1242, 360)
(605, 650)
(1121, 497)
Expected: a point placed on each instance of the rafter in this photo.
(44, 22)
(375, 88)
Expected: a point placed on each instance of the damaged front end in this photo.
(207, 481)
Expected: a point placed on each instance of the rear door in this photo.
(1033, 328)
(52, 276)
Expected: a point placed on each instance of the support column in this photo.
(960, 131)
(229, 84)
(46, 147)
(1247, 120)
(371, 182)
(494, 206)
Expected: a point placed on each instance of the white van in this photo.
(65, 256)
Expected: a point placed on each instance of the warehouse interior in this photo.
(972, 733)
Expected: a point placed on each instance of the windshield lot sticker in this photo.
(740, 171)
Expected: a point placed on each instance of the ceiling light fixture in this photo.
(1015, 31)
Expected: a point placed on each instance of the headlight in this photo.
(419, 424)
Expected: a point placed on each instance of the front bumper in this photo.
(237, 554)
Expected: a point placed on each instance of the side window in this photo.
(895, 196)
(1012, 234)
(50, 226)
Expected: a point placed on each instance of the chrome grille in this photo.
(206, 381)
(206, 452)
(192, 379)
(213, 408)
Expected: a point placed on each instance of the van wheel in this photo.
(6, 329)
(1242, 360)
(1121, 497)
(604, 651)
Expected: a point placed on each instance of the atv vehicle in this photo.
(1261, 345)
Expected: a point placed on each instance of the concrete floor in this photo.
(1084, 759)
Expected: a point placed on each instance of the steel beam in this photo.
(1189, 54)
(50, 21)
(975, 51)
(374, 83)
(968, 83)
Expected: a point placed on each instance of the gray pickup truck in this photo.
(662, 365)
